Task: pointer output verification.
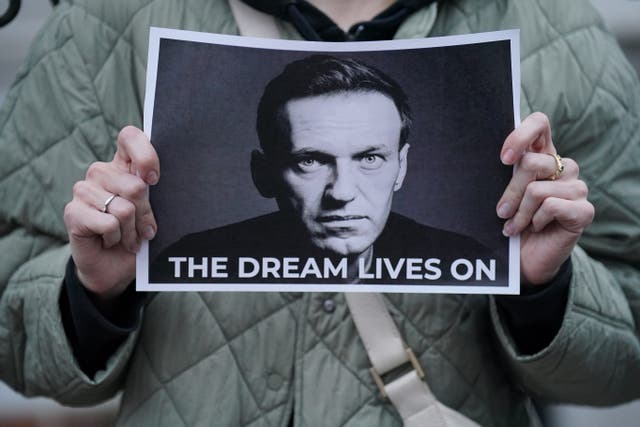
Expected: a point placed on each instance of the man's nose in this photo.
(342, 183)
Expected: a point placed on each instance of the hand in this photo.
(104, 244)
(549, 214)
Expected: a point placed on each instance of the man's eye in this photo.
(371, 161)
(308, 165)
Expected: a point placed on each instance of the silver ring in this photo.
(107, 202)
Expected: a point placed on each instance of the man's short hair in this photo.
(321, 75)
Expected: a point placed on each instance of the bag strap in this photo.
(411, 396)
(253, 23)
(387, 352)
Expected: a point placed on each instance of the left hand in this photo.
(549, 214)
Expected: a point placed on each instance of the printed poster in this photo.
(342, 167)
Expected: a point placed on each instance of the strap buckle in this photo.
(415, 364)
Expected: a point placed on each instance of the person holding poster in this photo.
(74, 328)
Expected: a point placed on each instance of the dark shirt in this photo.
(315, 25)
(96, 333)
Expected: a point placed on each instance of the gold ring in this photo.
(107, 202)
(559, 167)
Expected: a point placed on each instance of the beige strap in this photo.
(385, 346)
(409, 393)
(252, 22)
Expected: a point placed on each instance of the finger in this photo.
(95, 196)
(571, 169)
(85, 222)
(533, 134)
(532, 167)
(125, 212)
(535, 194)
(136, 155)
(572, 215)
(129, 187)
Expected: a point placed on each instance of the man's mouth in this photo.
(340, 218)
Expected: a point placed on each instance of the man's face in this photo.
(343, 167)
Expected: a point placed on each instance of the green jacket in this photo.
(252, 359)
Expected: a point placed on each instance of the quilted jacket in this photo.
(203, 359)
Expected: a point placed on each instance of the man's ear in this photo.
(402, 154)
(262, 174)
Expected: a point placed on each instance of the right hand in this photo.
(103, 245)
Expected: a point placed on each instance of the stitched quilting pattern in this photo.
(248, 359)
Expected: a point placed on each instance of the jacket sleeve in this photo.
(580, 78)
(53, 124)
(35, 355)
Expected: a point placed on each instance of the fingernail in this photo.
(149, 232)
(508, 229)
(504, 210)
(509, 156)
(152, 177)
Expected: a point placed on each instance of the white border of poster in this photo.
(158, 34)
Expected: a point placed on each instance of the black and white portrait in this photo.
(289, 169)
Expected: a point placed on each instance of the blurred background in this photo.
(622, 16)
